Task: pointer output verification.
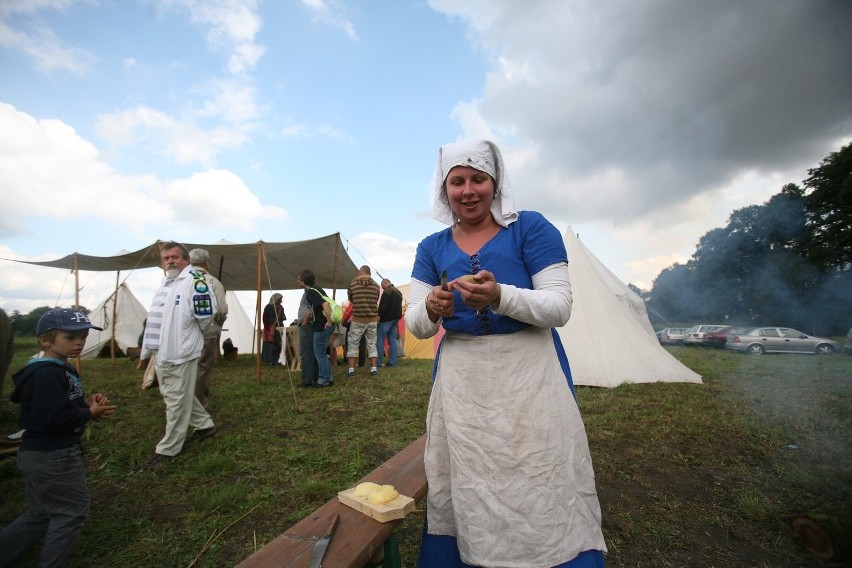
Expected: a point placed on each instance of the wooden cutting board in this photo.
(395, 509)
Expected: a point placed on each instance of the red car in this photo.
(717, 338)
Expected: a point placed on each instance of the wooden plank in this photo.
(396, 509)
(358, 538)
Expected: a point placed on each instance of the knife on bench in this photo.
(322, 543)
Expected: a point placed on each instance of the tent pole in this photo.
(334, 268)
(258, 329)
(114, 315)
(77, 303)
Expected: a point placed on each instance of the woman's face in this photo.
(470, 193)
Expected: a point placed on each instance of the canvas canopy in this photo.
(609, 338)
(251, 266)
(122, 317)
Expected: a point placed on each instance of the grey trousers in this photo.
(57, 506)
(205, 369)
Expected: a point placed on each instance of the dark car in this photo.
(760, 340)
(718, 338)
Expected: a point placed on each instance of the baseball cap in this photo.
(64, 319)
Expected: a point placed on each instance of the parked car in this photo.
(695, 334)
(760, 340)
(671, 335)
(849, 342)
(717, 338)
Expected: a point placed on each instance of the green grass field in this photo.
(688, 475)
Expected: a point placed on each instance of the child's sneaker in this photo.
(373, 372)
(350, 375)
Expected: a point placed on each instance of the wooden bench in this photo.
(358, 540)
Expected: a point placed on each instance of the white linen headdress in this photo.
(484, 156)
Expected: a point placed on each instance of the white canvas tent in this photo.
(123, 320)
(238, 326)
(609, 338)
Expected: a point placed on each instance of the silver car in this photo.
(760, 340)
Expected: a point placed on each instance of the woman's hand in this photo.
(439, 304)
(478, 290)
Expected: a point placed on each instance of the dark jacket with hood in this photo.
(54, 411)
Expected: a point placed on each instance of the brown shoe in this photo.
(154, 460)
(199, 435)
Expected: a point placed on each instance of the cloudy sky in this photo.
(640, 124)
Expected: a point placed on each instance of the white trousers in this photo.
(177, 385)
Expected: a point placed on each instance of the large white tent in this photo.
(609, 338)
(122, 319)
(238, 327)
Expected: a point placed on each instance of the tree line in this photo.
(787, 262)
(25, 324)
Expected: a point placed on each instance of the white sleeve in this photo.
(548, 304)
(416, 317)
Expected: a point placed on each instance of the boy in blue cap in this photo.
(53, 415)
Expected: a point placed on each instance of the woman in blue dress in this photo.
(507, 460)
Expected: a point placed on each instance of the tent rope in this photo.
(367, 262)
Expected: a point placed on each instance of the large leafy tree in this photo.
(786, 262)
(829, 205)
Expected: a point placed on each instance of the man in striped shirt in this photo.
(364, 295)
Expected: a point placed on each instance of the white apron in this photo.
(507, 457)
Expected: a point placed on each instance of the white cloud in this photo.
(327, 13)
(232, 26)
(294, 130)
(169, 137)
(384, 253)
(232, 101)
(217, 199)
(48, 171)
(39, 42)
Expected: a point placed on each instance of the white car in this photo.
(695, 334)
(671, 335)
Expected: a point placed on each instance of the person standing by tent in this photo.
(390, 312)
(507, 458)
(320, 315)
(273, 318)
(200, 259)
(181, 311)
(307, 358)
(363, 293)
